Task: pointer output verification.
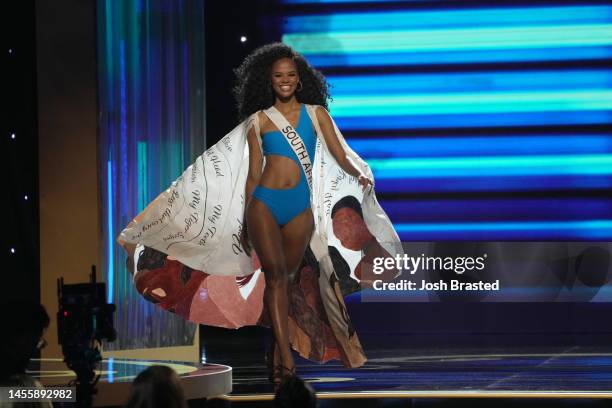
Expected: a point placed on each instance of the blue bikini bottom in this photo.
(285, 203)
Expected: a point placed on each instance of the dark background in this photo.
(19, 155)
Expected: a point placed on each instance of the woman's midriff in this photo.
(280, 172)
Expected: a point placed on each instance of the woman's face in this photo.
(284, 77)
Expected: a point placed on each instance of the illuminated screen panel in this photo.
(478, 123)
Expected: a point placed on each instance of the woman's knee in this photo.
(275, 273)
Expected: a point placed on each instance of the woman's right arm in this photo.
(254, 174)
(255, 162)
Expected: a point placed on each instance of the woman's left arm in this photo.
(336, 149)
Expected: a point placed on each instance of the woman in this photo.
(278, 214)
(271, 183)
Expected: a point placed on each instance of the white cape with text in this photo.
(198, 219)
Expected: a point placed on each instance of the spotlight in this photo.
(12, 250)
(13, 136)
(243, 38)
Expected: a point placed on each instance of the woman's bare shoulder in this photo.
(322, 114)
(262, 117)
(264, 122)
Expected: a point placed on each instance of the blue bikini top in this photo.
(274, 141)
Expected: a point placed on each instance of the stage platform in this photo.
(116, 375)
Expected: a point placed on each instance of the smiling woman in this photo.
(263, 258)
(279, 220)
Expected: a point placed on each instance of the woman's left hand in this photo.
(365, 181)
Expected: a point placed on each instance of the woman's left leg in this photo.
(296, 235)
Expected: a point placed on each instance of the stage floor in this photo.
(401, 367)
(572, 372)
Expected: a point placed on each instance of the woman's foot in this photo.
(282, 373)
(279, 367)
(285, 368)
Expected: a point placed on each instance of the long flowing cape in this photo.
(186, 254)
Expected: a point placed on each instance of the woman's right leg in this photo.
(266, 238)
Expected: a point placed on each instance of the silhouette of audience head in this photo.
(23, 325)
(157, 386)
(295, 393)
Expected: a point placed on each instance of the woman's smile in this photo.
(285, 89)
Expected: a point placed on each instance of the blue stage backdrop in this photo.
(152, 121)
(479, 123)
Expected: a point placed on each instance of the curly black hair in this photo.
(253, 88)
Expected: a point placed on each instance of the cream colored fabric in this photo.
(198, 219)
